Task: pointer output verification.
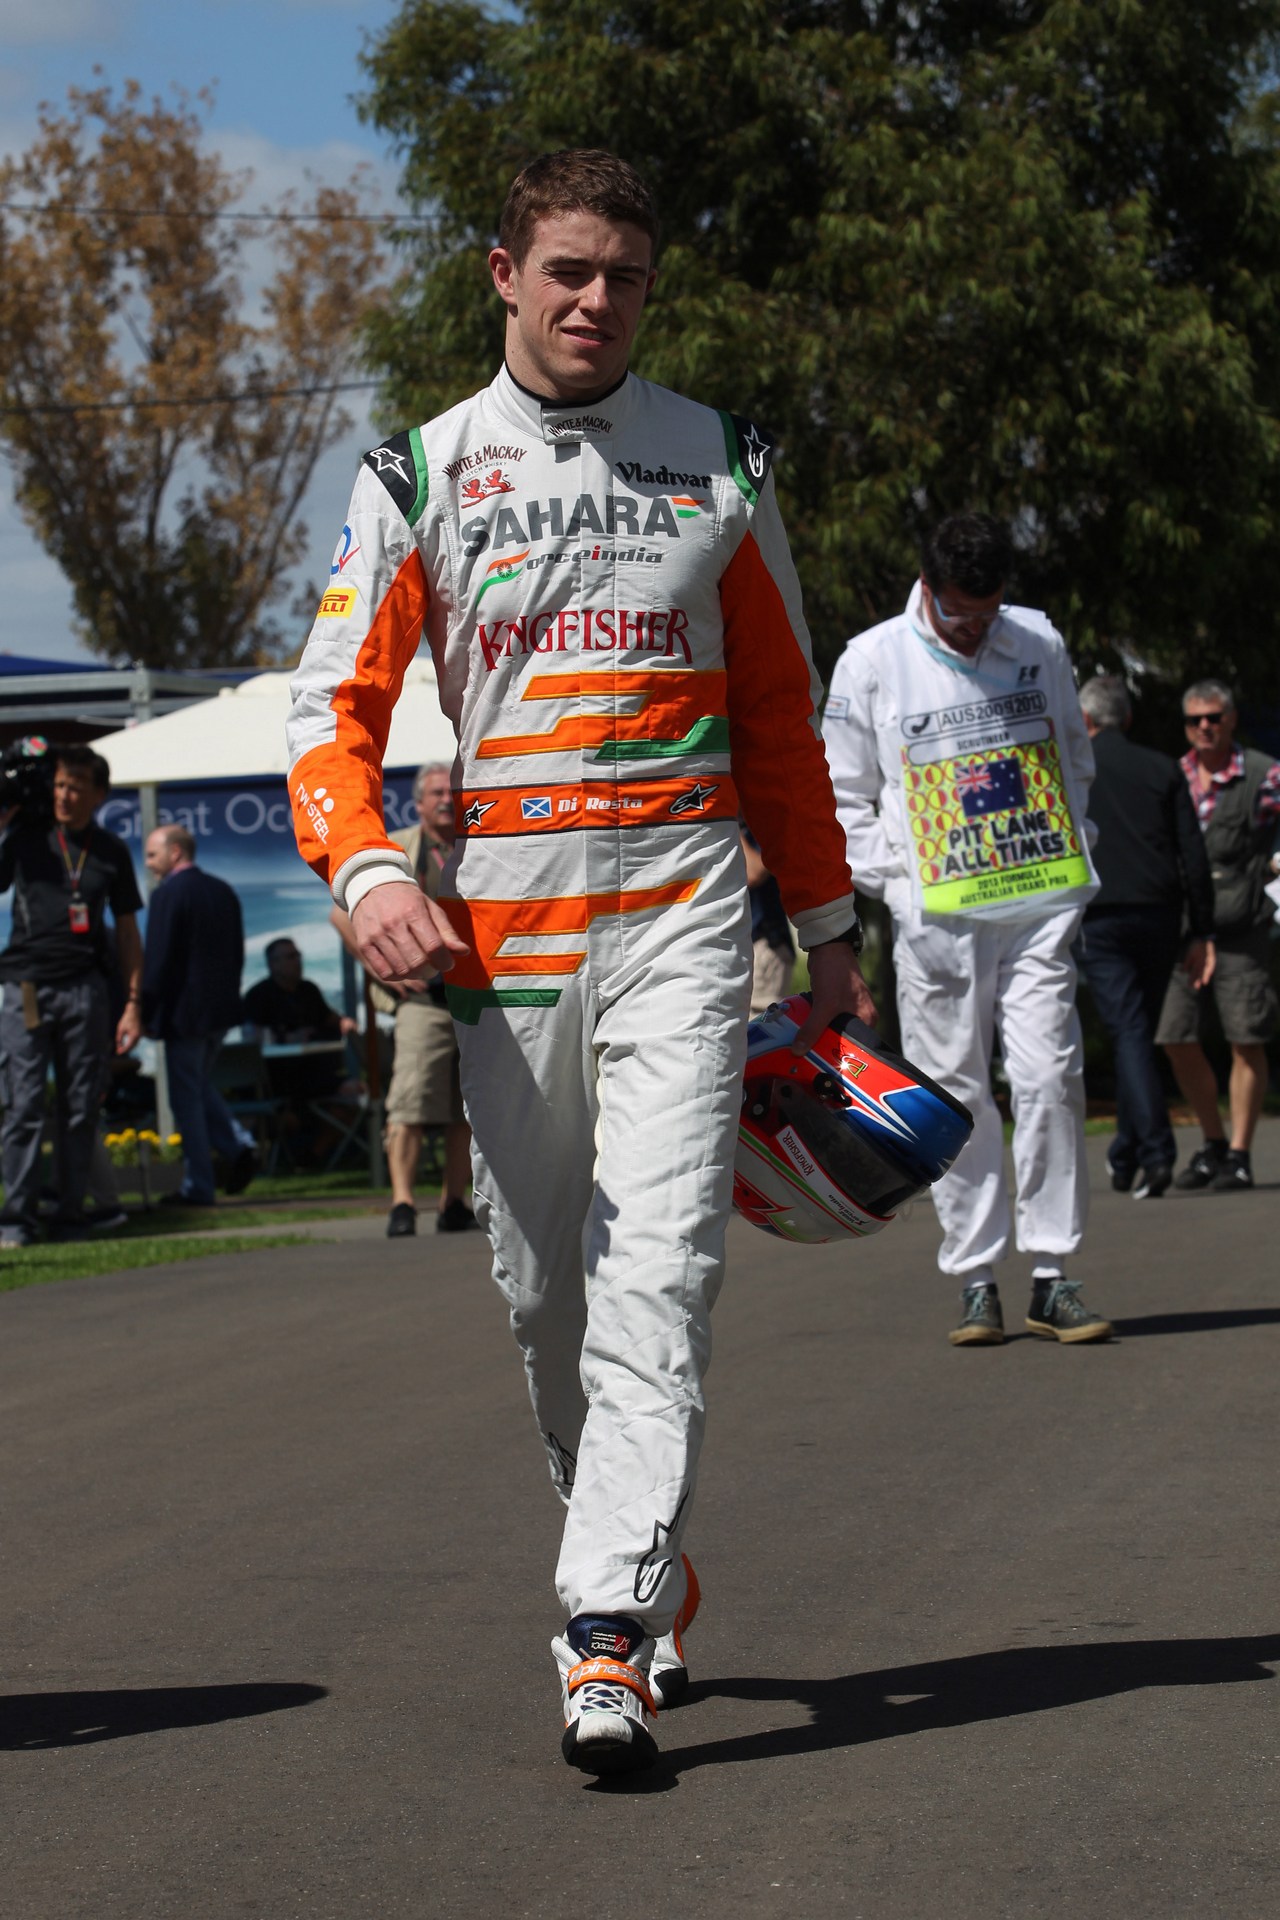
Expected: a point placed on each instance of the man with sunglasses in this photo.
(962, 768)
(1236, 794)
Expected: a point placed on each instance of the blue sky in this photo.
(285, 73)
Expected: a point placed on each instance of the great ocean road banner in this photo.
(244, 834)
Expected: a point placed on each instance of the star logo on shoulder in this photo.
(386, 457)
(757, 447)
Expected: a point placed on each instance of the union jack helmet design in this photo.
(832, 1142)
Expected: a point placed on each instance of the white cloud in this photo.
(57, 23)
(277, 168)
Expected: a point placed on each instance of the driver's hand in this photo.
(837, 986)
(403, 936)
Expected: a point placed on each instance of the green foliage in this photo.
(981, 253)
(36, 1266)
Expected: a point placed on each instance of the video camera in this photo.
(26, 779)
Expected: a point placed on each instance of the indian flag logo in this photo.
(686, 506)
(500, 570)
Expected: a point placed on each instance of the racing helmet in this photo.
(832, 1142)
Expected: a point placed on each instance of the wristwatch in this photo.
(851, 937)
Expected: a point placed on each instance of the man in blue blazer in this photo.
(190, 996)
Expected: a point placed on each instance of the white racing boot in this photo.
(604, 1681)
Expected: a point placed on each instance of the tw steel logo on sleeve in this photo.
(314, 807)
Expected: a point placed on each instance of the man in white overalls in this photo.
(962, 768)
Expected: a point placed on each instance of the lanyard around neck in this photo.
(73, 873)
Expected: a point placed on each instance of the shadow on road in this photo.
(1208, 1322)
(32, 1720)
(895, 1701)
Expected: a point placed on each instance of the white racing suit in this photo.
(962, 787)
(617, 635)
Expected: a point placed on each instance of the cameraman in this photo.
(56, 1009)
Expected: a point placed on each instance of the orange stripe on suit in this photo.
(336, 787)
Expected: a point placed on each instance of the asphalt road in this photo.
(985, 1632)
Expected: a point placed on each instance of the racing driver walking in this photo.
(600, 570)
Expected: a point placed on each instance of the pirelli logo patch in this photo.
(337, 603)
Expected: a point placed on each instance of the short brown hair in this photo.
(574, 180)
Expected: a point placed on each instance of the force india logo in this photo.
(498, 572)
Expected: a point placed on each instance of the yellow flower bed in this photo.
(131, 1147)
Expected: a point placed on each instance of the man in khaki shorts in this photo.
(773, 953)
(1236, 794)
(424, 1089)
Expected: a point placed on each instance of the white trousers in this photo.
(604, 1129)
(956, 991)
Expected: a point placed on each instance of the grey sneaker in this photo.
(1058, 1313)
(983, 1322)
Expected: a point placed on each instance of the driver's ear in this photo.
(503, 268)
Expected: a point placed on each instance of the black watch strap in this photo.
(851, 937)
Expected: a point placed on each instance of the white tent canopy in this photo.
(239, 735)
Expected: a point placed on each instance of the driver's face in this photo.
(574, 303)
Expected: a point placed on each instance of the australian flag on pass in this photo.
(989, 786)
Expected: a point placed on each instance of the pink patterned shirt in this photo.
(1265, 807)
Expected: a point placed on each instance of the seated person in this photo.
(287, 1009)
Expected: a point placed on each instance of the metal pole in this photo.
(149, 820)
(373, 1077)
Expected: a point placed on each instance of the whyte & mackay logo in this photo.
(487, 456)
(473, 491)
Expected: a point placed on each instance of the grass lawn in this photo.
(161, 1234)
(180, 1222)
(82, 1259)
